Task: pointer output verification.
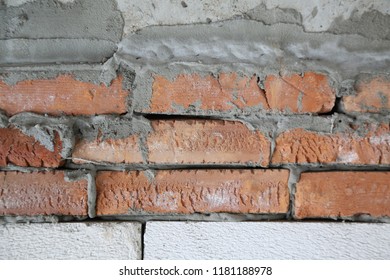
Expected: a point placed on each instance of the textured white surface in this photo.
(71, 241)
(266, 240)
(316, 15)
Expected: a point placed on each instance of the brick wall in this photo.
(180, 136)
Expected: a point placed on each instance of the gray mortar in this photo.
(28, 219)
(43, 129)
(248, 42)
(40, 219)
(91, 73)
(209, 217)
(110, 127)
(76, 175)
(3, 120)
(55, 32)
(44, 51)
(272, 16)
(372, 24)
(51, 19)
(295, 174)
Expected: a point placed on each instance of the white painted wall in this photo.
(103, 241)
(266, 240)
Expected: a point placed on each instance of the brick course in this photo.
(208, 142)
(192, 191)
(371, 96)
(190, 93)
(22, 150)
(308, 147)
(63, 95)
(342, 194)
(42, 193)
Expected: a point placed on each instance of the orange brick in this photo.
(342, 194)
(311, 93)
(206, 141)
(63, 95)
(124, 150)
(22, 150)
(192, 191)
(42, 193)
(302, 146)
(207, 93)
(372, 96)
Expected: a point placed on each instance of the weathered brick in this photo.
(42, 193)
(371, 96)
(192, 191)
(209, 93)
(302, 146)
(125, 150)
(310, 93)
(342, 194)
(63, 95)
(23, 150)
(206, 141)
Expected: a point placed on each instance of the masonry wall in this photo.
(261, 120)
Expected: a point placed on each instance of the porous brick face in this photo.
(310, 93)
(125, 150)
(189, 93)
(342, 194)
(42, 193)
(206, 141)
(19, 149)
(63, 95)
(192, 191)
(207, 93)
(302, 146)
(372, 96)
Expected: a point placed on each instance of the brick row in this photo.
(192, 94)
(232, 142)
(333, 194)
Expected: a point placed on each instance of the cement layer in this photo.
(71, 241)
(266, 240)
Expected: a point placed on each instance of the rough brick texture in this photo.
(207, 141)
(207, 93)
(42, 193)
(342, 194)
(63, 95)
(19, 149)
(310, 93)
(126, 150)
(302, 146)
(192, 191)
(371, 96)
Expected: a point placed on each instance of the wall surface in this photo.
(145, 115)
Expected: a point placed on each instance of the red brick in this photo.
(42, 193)
(222, 93)
(342, 194)
(302, 146)
(372, 96)
(63, 95)
(22, 150)
(310, 93)
(192, 191)
(206, 141)
(126, 150)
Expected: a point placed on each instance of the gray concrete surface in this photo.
(266, 240)
(91, 241)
